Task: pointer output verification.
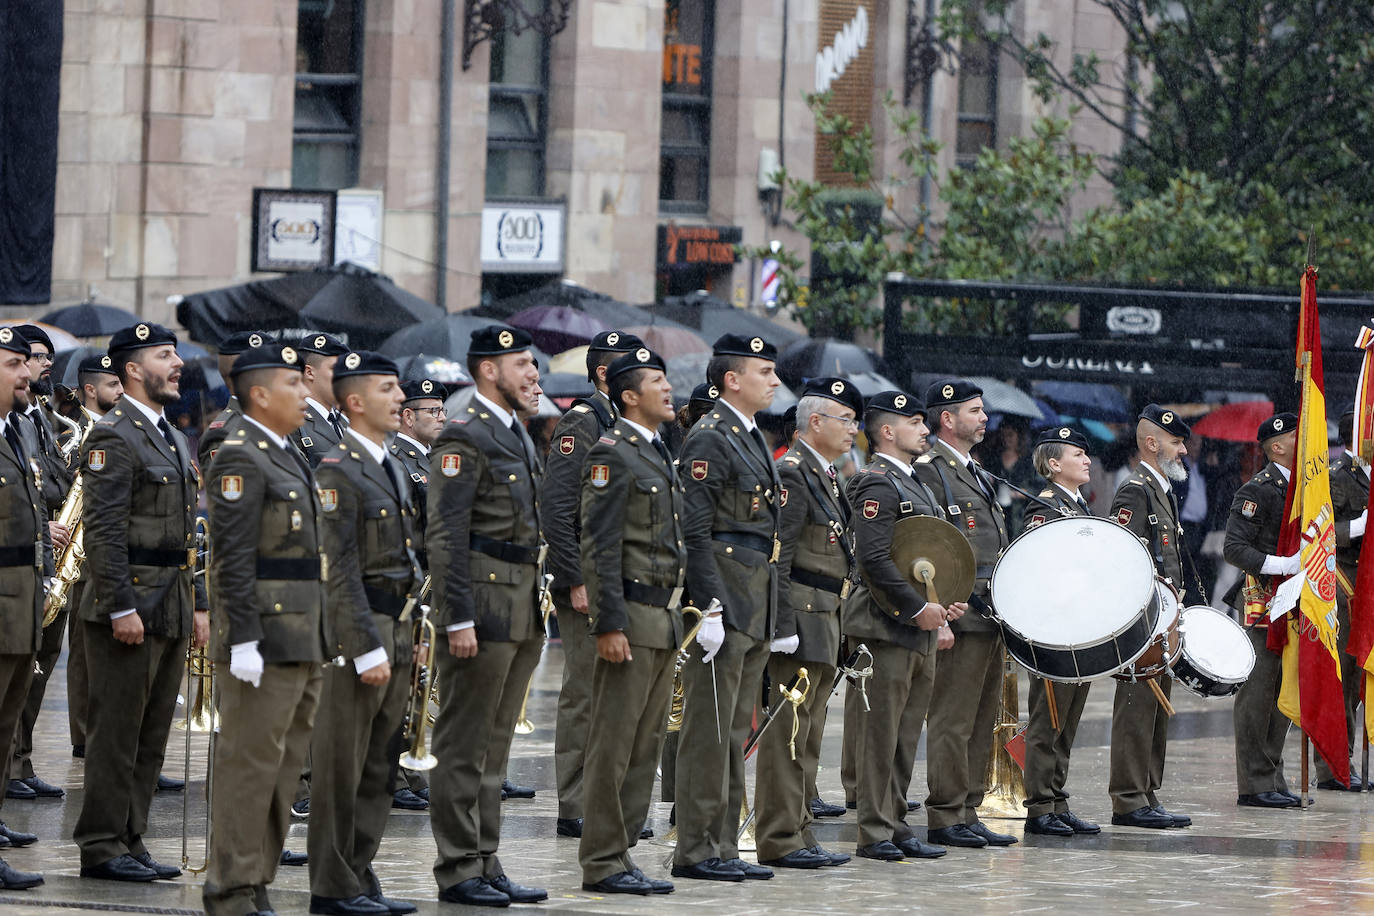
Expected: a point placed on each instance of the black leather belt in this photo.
(23, 556)
(504, 550)
(647, 594)
(824, 583)
(304, 568)
(148, 556)
(755, 542)
(384, 601)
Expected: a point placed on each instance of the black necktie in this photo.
(762, 443)
(392, 473)
(1082, 505)
(166, 431)
(983, 484)
(519, 430)
(12, 436)
(297, 457)
(37, 419)
(333, 418)
(663, 451)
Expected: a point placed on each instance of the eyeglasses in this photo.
(435, 412)
(42, 357)
(849, 423)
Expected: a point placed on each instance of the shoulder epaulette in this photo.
(926, 458)
(792, 460)
(1133, 480)
(581, 408)
(1049, 493)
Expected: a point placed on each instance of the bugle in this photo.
(417, 756)
(523, 726)
(683, 651)
(200, 712)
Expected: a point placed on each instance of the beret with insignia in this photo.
(144, 334)
(641, 358)
(35, 335)
(951, 391)
(613, 342)
(838, 390)
(364, 362)
(1064, 435)
(1276, 425)
(1165, 419)
(704, 395)
(323, 344)
(268, 356)
(898, 402)
(424, 389)
(239, 341)
(739, 345)
(13, 342)
(97, 363)
(498, 340)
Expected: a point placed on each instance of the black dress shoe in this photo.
(474, 892)
(1047, 825)
(120, 868)
(712, 869)
(16, 837)
(799, 858)
(294, 858)
(620, 883)
(994, 839)
(11, 879)
(913, 848)
(1335, 785)
(824, 809)
(569, 826)
(646, 833)
(956, 835)
(423, 793)
(657, 885)
(1144, 817)
(168, 784)
(510, 790)
(347, 906)
(1266, 800)
(163, 871)
(17, 788)
(750, 870)
(395, 907)
(301, 808)
(836, 858)
(518, 893)
(1180, 820)
(851, 804)
(912, 805)
(79, 751)
(883, 851)
(408, 801)
(44, 789)
(1078, 825)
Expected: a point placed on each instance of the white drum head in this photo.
(1073, 581)
(1216, 644)
(1168, 609)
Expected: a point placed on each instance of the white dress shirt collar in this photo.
(748, 422)
(280, 440)
(642, 430)
(500, 413)
(902, 465)
(377, 452)
(424, 449)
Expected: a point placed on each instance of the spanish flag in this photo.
(1362, 597)
(1310, 693)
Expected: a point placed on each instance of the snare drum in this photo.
(1076, 598)
(1164, 645)
(1217, 655)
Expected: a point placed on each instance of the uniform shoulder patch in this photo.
(700, 468)
(231, 487)
(329, 499)
(450, 465)
(1123, 516)
(600, 475)
(1248, 508)
(95, 460)
(566, 444)
(870, 508)
(1036, 520)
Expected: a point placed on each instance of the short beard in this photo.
(1174, 469)
(158, 391)
(511, 395)
(42, 386)
(105, 406)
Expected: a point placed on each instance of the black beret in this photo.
(96, 363)
(323, 344)
(789, 417)
(951, 391)
(739, 345)
(15, 343)
(364, 362)
(239, 341)
(614, 342)
(898, 402)
(642, 358)
(267, 356)
(424, 389)
(35, 335)
(137, 337)
(1277, 425)
(498, 340)
(1063, 435)
(838, 390)
(705, 394)
(1166, 420)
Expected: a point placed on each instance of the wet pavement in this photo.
(1232, 860)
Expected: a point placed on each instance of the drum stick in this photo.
(1159, 695)
(1054, 704)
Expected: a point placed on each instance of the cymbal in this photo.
(924, 546)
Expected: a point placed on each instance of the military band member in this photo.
(324, 424)
(267, 633)
(229, 352)
(484, 546)
(901, 629)
(1147, 506)
(731, 527)
(815, 569)
(369, 538)
(139, 519)
(1252, 536)
(22, 539)
(1061, 457)
(968, 679)
(576, 432)
(633, 564)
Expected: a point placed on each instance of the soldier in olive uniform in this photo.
(815, 569)
(139, 518)
(23, 538)
(633, 561)
(324, 425)
(267, 633)
(369, 538)
(901, 629)
(577, 431)
(229, 352)
(1061, 457)
(1146, 504)
(968, 679)
(484, 545)
(731, 524)
(1252, 537)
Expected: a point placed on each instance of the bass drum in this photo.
(1076, 598)
(1217, 656)
(1164, 646)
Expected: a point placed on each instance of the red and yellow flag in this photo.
(1310, 693)
(1362, 598)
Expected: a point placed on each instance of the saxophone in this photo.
(73, 556)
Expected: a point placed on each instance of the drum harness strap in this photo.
(977, 602)
(837, 525)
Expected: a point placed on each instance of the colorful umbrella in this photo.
(556, 328)
(1236, 422)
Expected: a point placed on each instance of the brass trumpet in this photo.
(523, 726)
(417, 756)
(200, 711)
(683, 651)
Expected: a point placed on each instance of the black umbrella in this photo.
(805, 359)
(90, 319)
(439, 368)
(565, 385)
(446, 336)
(712, 317)
(348, 300)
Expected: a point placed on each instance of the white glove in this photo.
(711, 636)
(245, 662)
(1357, 525)
(785, 646)
(1281, 566)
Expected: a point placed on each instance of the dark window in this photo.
(329, 70)
(685, 140)
(977, 128)
(517, 122)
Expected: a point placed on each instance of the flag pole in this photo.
(1364, 754)
(1303, 799)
